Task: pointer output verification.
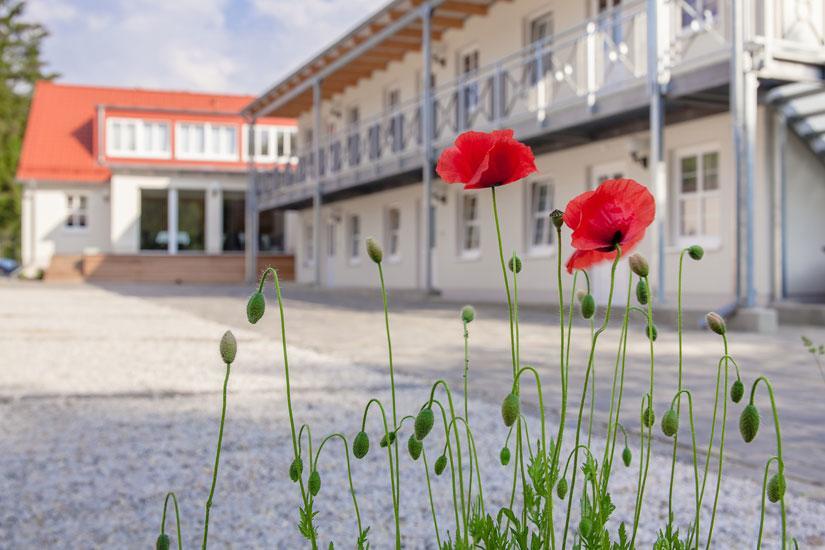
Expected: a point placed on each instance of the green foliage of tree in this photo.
(21, 65)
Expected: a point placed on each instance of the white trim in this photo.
(140, 126)
(468, 253)
(711, 242)
(208, 153)
(543, 250)
(392, 257)
(272, 131)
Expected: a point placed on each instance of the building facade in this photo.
(144, 185)
(717, 105)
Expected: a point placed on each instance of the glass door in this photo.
(191, 220)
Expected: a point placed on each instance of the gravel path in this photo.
(109, 401)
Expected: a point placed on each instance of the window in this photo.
(393, 233)
(271, 143)
(191, 220)
(469, 226)
(154, 216)
(468, 64)
(698, 198)
(696, 13)
(206, 141)
(354, 237)
(234, 221)
(541, 228)
(331, 238)
(539, 34)
(309, 244)
(133, 137)
(76, 211)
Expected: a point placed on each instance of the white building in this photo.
(125, 184)
(582, 82)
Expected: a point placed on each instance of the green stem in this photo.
(506, 282)
(762, 506)
(430, 495)
(721, 446)
(177, 518)
(678, 389)
(389, 450)
(314, 466)
(217, 460)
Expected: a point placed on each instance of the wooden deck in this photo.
(150, 268)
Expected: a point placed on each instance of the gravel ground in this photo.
(109, 401)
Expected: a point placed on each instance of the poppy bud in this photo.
(749, 423)
(652, 332)
(580, 294)
(255, 307)
(504, 456)
(440, 464)
(414, 447)
(510, 409)
(716, 323)
(696, 252)
(314, 482)
(162, 542)
(514, 264)
(585, 525)
(387, 438)
(468, 314)
(228, 347)
(627, 456)
(424, 423)
(737, 390)
(361, 445)
(670, 423)
(638, 265)
(776, 487)
(588, 306)
(648, 417)
(296, 469)
(642, 292)
(374, 251)
(557, 217)
(561, 488)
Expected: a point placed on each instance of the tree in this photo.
(21, 66)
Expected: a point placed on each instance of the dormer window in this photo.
(134, 137)
(206, 141)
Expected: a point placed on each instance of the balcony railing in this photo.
(602, 56)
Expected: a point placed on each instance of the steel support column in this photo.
(427, 141)
(780, 137)
(658, 179)
(316, 196)
(251, 203)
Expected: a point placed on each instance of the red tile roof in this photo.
(59, 144)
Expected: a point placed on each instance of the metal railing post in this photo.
(427, 143)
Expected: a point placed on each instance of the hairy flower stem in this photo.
(448, 446)
(177, 517)
(724, 388)
(762, 505)
(506, 284)
(349, 472)
(395, 504)
(591, 357)
(217, 460)
(675, 401)
(430, 495)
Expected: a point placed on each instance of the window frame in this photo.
(273, 132)
(532, 216)
(468, 253)
(392, 256)
(207, 154)
(309, 243)
(710, 242)
(140, 125)
(354, 239)
(75, 213)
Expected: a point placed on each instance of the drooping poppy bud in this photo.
(162, 542)
(652, 332)
(638, 265)
(255, 307)
(424, 423)
(716, 323)
(510, 409)
(627, 457)
(374, 251)
(642, 292)
(228, 347)
(749, 423)
(737, 390)
(296, 469)
(468, 314)
(696, 252)
(585, 525)
(414, 447)
(588, 306)
(561, 488)
(361, 445)
(440, 464)
(648, 417)
(670, 423)
(557, 217)
(514, 264)
(504, 456)
(387, 439)
(776, 487)
(314, 482)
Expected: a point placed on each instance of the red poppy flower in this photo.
(616, 213)
(480, 159)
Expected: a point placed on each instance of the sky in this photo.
(233, 46)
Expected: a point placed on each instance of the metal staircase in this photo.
(802, 105)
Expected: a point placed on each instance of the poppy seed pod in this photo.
(162, 542)
(638, 265)
(255, 307)
(510, 409)
(374, 251)
(557, 217)
(228, 347)
(642, 292)
(716, 323)
(776, 487)
(514, 264)
(749, 423)
(314, 482)
(588, 306)
(504, 456)
(296, 469)
(696, 252)
(440, 464)
(385, 438)
(361, 445)
(468, 314)
(414, 447)
(652, 332)
(737, 390)
(585, 526)
(627, 457)
(648, 417)
(670, 423)
(561, 488)
(424, 423)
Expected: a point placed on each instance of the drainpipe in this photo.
(251, 230)
(316, 197)
(427, 129)
(657, 158)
